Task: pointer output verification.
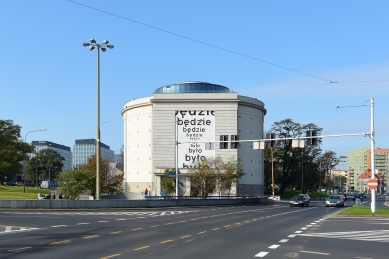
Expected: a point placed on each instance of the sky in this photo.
(301, 58)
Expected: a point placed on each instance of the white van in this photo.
(45, 185)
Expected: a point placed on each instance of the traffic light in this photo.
(271, 143)
(312, 138)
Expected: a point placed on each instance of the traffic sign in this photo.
(372, 184)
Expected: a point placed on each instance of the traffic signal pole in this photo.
(372, 144)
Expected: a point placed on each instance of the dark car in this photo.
(358, 196)
(9, 184)
(30, 184)
(299, 200)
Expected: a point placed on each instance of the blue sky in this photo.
(48, 80)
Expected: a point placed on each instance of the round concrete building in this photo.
(195, 113)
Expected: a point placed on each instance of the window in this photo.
(223, 145)
(234, 142)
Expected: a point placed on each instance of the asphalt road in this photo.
(262, 231)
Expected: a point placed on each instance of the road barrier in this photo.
(112, 203)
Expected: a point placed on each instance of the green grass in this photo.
(364, 211)
(17, 193)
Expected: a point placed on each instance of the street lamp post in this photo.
(103, 47)
(24, 158)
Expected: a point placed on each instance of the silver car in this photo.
(335, 201)
(299, 200)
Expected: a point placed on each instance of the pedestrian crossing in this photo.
(14, 229)
(373, 236)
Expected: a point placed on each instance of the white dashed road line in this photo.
(261, 254)
(310, 252)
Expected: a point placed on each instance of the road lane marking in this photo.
(82, 223)
(226, 226)
(116, 232)
(136, 229)
(170, 223)
(310, 252)
(166, 241)
(283, 240)
(19, 249)
(215, 228)
(183, 221)
(140, 248)
(202, 232)
(103, 221)
(291, 235)
(261, 254)
(60, 242)
(297, 232)
(304, 228)
(58, 226)
(93, 236)
(274, 246)
(186, 236)
(154, 226)
(110, 256)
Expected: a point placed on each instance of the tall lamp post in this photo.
(24, 158)
(103, 47)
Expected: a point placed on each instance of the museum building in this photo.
(208, 121)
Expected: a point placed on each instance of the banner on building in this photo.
(195, 126)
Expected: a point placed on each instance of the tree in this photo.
(169, 183)
(202, 178)
(12, 149)
(72, 183)
(328, 161)
(84, 179)
(47, 162)
(232, 171)
(288, 160)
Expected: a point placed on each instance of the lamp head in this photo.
(92, 41)
(85, 44)
(105, 42)
(110, 46)
(103, 49)
(91, 48)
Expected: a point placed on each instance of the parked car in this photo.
(299, 200)
(30, 184)
(334, 201)
(9, 184)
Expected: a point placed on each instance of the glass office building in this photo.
(64, 151)
(86, 148)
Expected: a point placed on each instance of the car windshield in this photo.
(334, 197)
(298, 197)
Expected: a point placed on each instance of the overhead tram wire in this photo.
(202, 42)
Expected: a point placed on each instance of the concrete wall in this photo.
(111, 204)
